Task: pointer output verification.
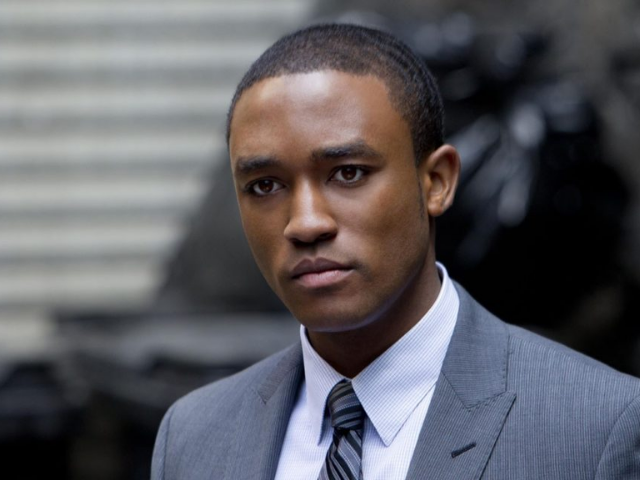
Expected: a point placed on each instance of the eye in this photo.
(264, 187)
(349, 174)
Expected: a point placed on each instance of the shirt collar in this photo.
(401, 376)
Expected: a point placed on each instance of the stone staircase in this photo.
(111, 119)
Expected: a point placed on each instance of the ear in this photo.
(439, 174)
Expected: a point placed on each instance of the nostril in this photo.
(309, 241)
(326, 236)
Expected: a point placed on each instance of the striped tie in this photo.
(343, 461)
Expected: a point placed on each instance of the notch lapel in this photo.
(264, 418)
(470, 403)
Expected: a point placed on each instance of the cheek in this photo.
(261, 233)
(390, 225)
(398, 206)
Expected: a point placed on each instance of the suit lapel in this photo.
(470, 403)
(263, 421)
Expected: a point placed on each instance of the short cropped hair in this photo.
(359, 50)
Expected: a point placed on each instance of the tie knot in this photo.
(344, 407)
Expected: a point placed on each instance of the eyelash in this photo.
(360, 172)
(250, 188)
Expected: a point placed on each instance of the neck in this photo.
(351, 351)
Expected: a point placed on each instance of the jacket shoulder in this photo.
(546, 355)
(197, 431)
(576, 413)
(532, 357)
(230, 390)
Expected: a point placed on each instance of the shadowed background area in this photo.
(126, 279)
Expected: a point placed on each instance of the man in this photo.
(336, 143)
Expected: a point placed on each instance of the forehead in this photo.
(324, 106)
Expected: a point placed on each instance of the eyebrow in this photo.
(247, 165)
(357, 149)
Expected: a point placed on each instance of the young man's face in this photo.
(329, 196)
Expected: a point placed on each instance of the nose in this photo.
(310, 218)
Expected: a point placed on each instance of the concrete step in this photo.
(57, 21)
(120, 99)
(113, 108)
(37, 63)
(196, 150)
(197, 28)
(98, 191)
(123, 12)
(109, 212)
(57, 242)
(123, 283)
(123, 54)
(106, 74)
(181, 70)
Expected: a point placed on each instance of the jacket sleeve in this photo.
(160, 449)
(621, 457)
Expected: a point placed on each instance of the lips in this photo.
(317, 265)
(319, 272)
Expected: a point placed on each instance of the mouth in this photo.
(319, 272)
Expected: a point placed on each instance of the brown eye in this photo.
(349, 174)
(264, 187)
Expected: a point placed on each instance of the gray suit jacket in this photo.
(508, 405)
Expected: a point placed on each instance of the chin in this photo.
(332, 321)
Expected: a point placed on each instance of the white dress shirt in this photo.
(395, 391)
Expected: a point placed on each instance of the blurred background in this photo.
(125, 279)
